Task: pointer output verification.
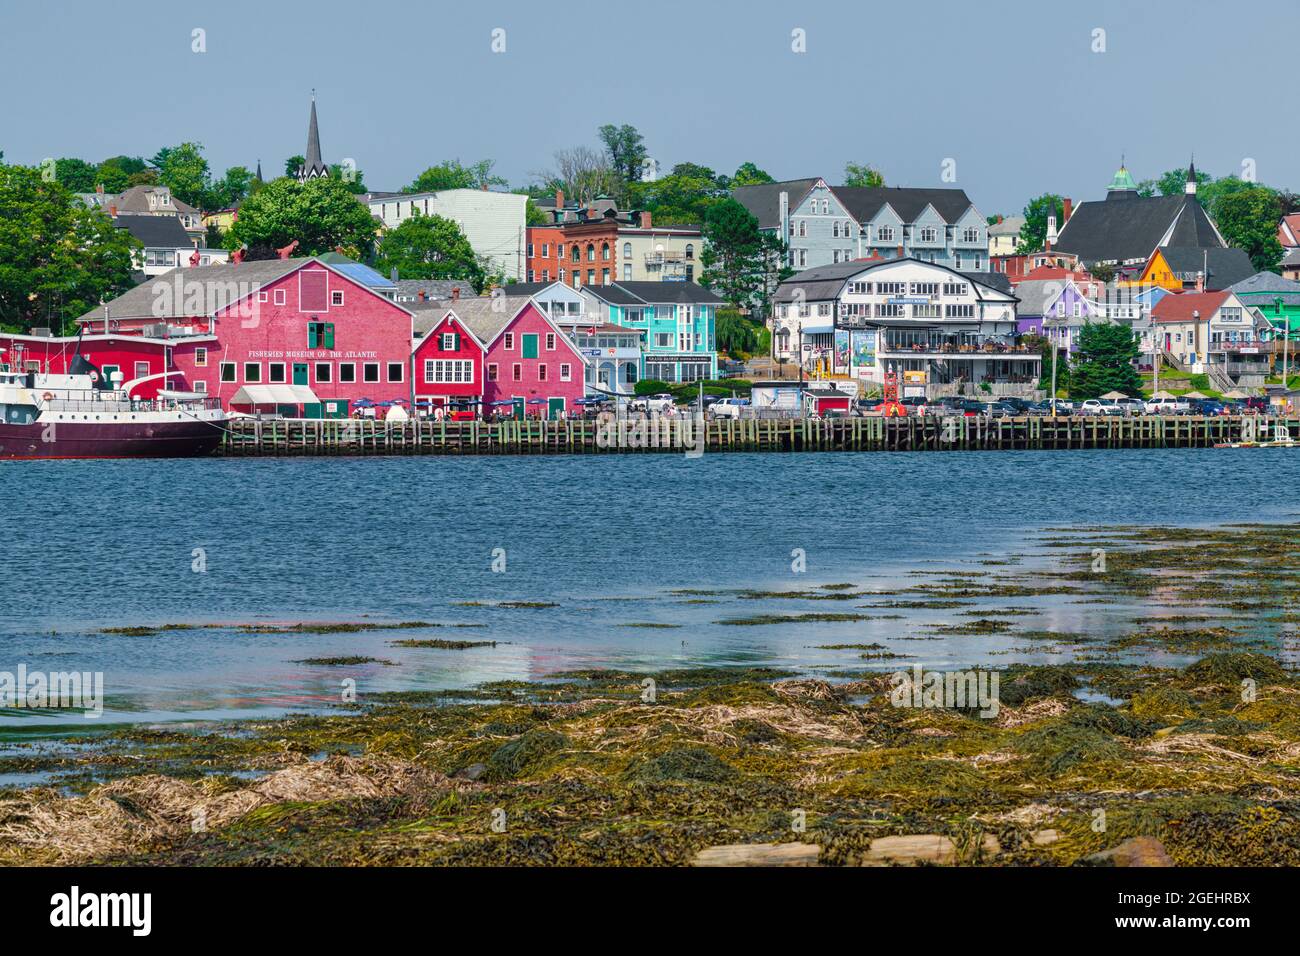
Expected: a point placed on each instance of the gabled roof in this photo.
(764, 199)
(145, 302)
(994, 280)
(684, 293)
(136, 199)
(863, 202)
(1132, 229)
(484, 315)
(435, 289)
(1035, 294)
(155, 231)
(1010, 226)
(1262, 282)
(1288, 230)
(826, 282)
(1225, 266)
(1179, 308)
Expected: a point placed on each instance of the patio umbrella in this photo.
(1162, 394)
(1195, 395)
(1113, 396)
(363, 403)
(537, 401)
(1235, 393)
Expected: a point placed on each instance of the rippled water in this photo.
(90, 545)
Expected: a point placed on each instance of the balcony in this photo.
(949, 345)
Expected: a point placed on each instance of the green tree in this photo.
(683, 197)
(450, 174)
(1248, 220)
(184, 171)
(320, 213)
(732, 253)
(860, 174)
(293, 164)
(58, 258)
(625, 149)
(430, 247)
(533, 215)
(117, 173)
(1104, 362)
(76, 174)
(739, 335)
(747, 174)
(1033, 234)
(353, 180)
(230, 189)
(1044, 346)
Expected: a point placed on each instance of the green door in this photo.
(519, 408)
(300, 373)
(554, 408)
(530, 346)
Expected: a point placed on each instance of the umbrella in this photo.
(399, 401)
(1162, 394)
(363, 403)
(1195, 395)
(507, 401)
(1235, 393)
(537, 401)
(1113, 396)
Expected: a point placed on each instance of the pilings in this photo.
(284, 437)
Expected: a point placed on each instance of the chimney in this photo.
(483, 186)
(422, 294)
(112, 209)
(1068, 209)
(900, 251)
(559, 199)
(99, 189)
(455, 293)
(593, 213)
(645, 220)
(1200, 282)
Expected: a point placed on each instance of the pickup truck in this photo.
(652, 404)
(1167, 406)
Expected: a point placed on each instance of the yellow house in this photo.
(223, 219)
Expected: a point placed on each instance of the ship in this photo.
(85, 414)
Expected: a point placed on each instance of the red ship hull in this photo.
(184, 439)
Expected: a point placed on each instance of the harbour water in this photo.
(610, 542)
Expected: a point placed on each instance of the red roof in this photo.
(1288, 233)
(1055, 272)
(1179, 307)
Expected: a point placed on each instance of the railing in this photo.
(986, 347)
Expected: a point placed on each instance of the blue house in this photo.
(677, 322)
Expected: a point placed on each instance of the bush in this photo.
(1200, 382)
(650, 386)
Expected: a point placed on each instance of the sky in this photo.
(1013, 98)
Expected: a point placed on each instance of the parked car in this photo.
(1044, 407)
(654, 404)
(1021, 405)
(1001, 410)
(1167, 406)
(1257, 403)
(728, 407)
(1099, 406)
(1131, 406)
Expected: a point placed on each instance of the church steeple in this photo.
(1190, 188)
(259, 171)
(312, 167)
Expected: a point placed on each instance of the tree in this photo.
(430, 247)
(76, 174)
(625, 150)
(583, 173)
(58, 258)
(231, 189)
(320, 213)
(119, 173)
(1033, 234)
(1104, 362)
(747, 174)
(741, 263)
(293, 164)
(683, 197)
(450, 174)
(1248, 220)
(184, 171)
(533, 215)
(860, 174)
(353, 180)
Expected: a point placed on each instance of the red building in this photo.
(580, 245)
(134, 356)
(278, 333)
(448, 361)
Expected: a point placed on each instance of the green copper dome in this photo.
(1123, 181)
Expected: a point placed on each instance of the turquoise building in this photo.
(677, 322)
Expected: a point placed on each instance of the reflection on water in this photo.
(612, 541)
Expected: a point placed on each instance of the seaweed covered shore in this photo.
(1107, 748)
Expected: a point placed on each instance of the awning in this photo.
(814, 330)
(274, 395)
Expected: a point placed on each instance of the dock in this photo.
(296, 437)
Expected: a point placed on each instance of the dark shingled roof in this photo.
(764, 200)
(826, 282)
(1131, 229)
(686, 293)
(156, 231)
(863, 202)
(1226, 266)
(994, 280)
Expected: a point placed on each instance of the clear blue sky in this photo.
(1010, 89)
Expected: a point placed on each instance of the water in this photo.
(91, 545)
